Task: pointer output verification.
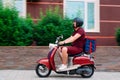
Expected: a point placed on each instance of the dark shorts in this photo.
(73, 49)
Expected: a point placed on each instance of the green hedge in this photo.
(50, 26)
(118, 36)
(14, 30)
(17, 31)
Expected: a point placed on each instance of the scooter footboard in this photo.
(45, 62)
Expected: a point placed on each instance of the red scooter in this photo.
(81, 63)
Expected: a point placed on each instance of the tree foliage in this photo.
(14, 30)
(52, 25)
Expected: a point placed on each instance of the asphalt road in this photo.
(31, 75)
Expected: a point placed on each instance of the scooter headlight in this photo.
(51, 46)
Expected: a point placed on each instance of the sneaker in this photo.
(62, 67)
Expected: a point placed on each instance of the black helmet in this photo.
(79, 22)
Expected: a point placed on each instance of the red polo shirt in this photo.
(77, 45)
(80, 41)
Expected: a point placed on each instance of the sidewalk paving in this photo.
(31, 75)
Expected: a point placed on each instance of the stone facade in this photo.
(15, 57)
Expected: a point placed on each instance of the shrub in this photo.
(23, 34)
(118, 36)
(50, 26)
(14, 31)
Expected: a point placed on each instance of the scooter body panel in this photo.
(51, 58)
(44, 61)
(83, 60)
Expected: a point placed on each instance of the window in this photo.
(7, 3)
(88, 10)
(0, 2)
(20, 5)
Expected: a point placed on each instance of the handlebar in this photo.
(51, 46)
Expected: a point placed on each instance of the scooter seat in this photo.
(75, 55)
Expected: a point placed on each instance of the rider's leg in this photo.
(60, 53)
(64, 58)
(68, 50)
(64, 55)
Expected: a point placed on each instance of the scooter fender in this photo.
(44, 61)
(83, 60)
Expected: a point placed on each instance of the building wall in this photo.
(34, 8)
(109, 18)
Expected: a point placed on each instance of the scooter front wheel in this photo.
(42, 70)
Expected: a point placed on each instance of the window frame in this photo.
(96, 14)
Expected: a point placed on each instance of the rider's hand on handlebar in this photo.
(61, 43)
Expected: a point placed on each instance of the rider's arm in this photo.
(71, 39)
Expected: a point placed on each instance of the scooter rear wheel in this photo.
(42, 70)
(89, 72)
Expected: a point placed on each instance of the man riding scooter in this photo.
(75, 60)
(77, 39)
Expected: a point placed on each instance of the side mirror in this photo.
(58, 39)
(61, 37)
